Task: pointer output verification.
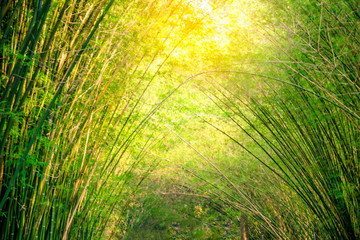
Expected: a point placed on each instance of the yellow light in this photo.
(212, 37)
(204, 5)
(201, 5)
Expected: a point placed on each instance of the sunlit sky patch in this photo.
(202, 5)
(218, 22)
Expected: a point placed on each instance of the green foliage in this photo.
(305, 122)
(179, 119)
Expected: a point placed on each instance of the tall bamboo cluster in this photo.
(305, 121)
(74, 75)
(42, 60)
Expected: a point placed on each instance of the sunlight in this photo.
(202, 5)
(213, 35)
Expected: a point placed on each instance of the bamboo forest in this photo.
(179, 119)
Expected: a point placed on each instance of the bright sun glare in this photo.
(218, 22)
(203, 5)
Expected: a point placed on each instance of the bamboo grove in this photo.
(305, 120)
(87, 97)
